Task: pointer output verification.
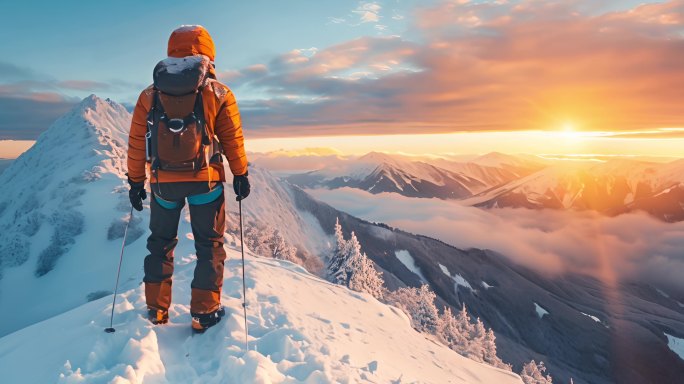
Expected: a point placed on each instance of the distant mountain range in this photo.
(498, 180)
(378, 172)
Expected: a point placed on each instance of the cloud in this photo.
(662, 133)
(84, 85)
(26, 117)
(368, 12)
(614, 249)
(30, 101)
(484, 66)
(289, 161)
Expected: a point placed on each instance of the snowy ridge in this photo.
(63, 207)
(302, 329)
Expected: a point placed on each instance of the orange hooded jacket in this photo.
(221, 115)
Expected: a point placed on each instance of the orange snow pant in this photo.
(208, 221)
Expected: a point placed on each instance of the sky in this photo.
(576, 76)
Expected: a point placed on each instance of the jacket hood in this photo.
(189, 40)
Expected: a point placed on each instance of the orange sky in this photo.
(484, 66)
(560, 142)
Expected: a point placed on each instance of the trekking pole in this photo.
(118, 272)
(244, 288)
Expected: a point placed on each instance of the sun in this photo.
(569, 132)
(568, 127)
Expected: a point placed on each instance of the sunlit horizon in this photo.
(566, 143)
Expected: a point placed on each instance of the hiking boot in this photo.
(203, 321)
(157, 316)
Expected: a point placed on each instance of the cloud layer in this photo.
(613, 249)
(30, 101)
(483, 66)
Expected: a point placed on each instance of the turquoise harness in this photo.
(203, 198)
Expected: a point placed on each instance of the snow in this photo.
(176, 65)
(485, 285)
(81, 161)
(444, 269)
(676, 344)
(540, 310)
(662, 293)
(188, 27)
(405, 257)
(458, 279)
(302, 330)
(64, 221)
(596, 319)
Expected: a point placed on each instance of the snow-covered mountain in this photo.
(301, 330)
(378, 172)
(64, 208)
(573, 322)
(613, 187)
(497, 180)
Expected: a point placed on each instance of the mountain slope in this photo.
(302, 329)
(64, 207)
(66, 196)
(509, 299)
(613, 187)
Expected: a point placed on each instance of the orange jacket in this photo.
(221, 115)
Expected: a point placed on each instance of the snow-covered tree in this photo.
(349, 266)
(363, 277)
(266, 241)
(451, 333)
(337, 256)
(419, 304)
(489, 351)
(476, 341)
(463, 321)
(280, 249)
(533, 373)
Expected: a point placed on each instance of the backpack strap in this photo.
(198, 113)
(151, 145)
(153, 117)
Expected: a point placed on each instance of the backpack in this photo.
(177, 139)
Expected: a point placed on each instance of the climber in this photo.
(182, 126)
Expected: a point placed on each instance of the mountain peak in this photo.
(375, 156)
(99, 118)
(96, 103)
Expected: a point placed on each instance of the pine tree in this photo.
(450, 333)
(489, 348)
(476, 341)
(425, 314)
(363, 277)
(533, 373)
(337, 257)
(463, 322)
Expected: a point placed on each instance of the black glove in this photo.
(137, 193)
(241, 186)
